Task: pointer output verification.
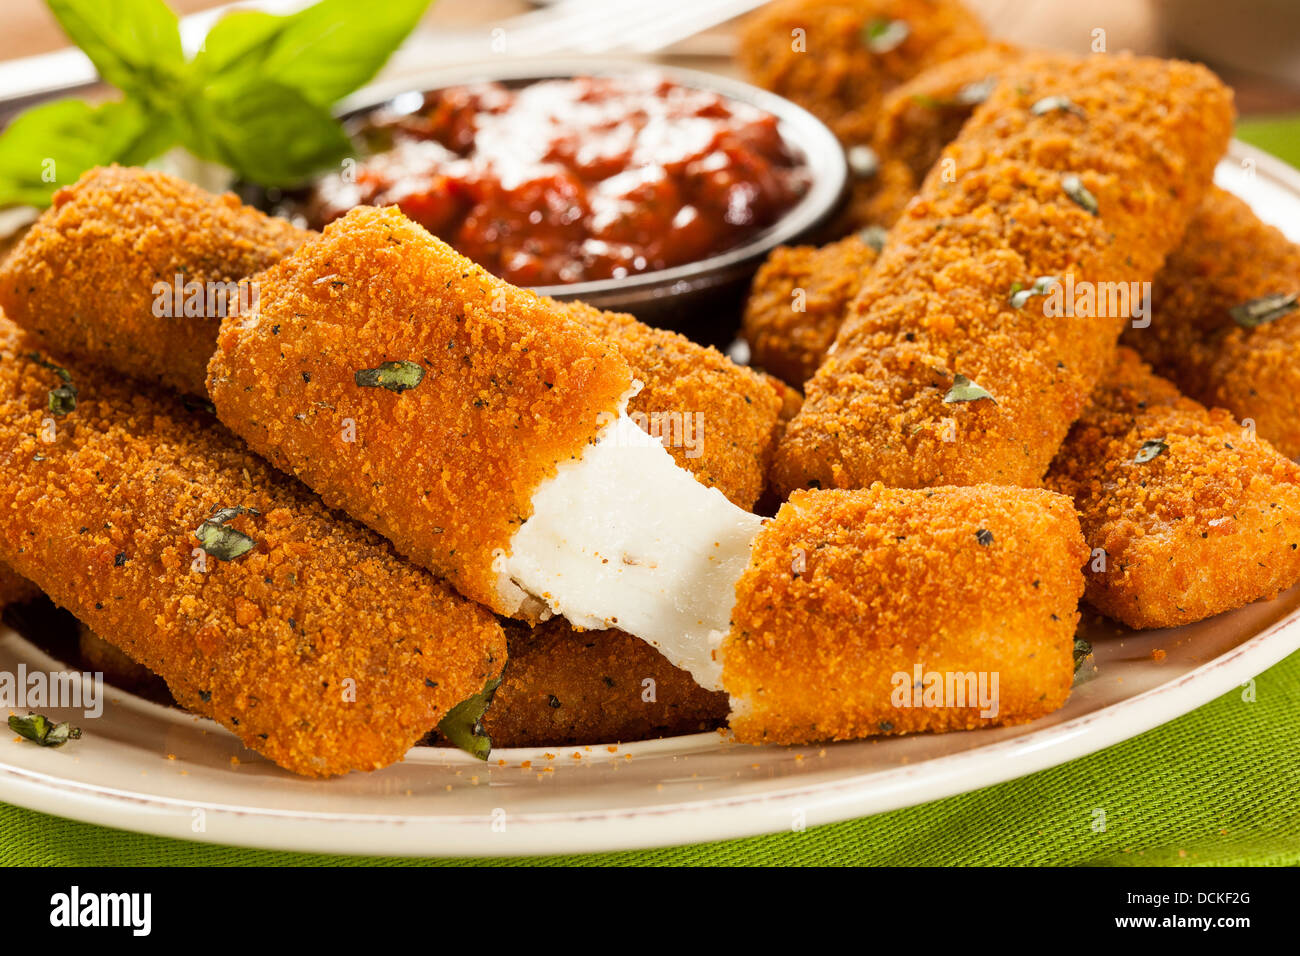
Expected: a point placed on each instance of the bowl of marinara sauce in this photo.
(651, 190)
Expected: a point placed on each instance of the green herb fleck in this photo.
(222, 542)
(1265, 309)
(39, 730)
(1052, 104)
(874, 236)
(964, 390)
(1150, 449)
(973, 94)
(1075, 189)
(1020, 295)
(63, 399)
(463, 725)
(882, 35)
(1082, 651)
(394, 376)
(863, 161)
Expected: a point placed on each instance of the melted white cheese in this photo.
(624, 538)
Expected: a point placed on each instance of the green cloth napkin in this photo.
(1220, 786)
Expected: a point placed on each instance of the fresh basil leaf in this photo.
(268, 133)
(324, 52)
(1150, 450)
(395, 376)
(51, 145)
(39, 729)
(1265, 309)
(222, 542)
(964, 390)
(463, 725)
(134, 44)
(238, 42)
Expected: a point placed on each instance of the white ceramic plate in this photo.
(150, 768)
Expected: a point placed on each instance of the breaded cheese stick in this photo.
(837, 58)
(298, 631)
(564, 687)
(14, 588)
(717, 419)
(798, 301)
(133, 269)
(859, 607)
(942, 374)
(1225, 319)
(479, 429)
(1187, 513)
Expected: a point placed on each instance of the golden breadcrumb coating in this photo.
(937, 305)
(14, 588)
(847, 590)
(1194, 514)
(798, 301)
(319, 648)
(719, 420)
(567, 687)
(922, 116)
(1226, 259)
(819, 52)
(446, 469)
(82, 281)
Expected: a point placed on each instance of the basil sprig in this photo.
(256, 98)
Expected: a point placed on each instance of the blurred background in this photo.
(1254, 44)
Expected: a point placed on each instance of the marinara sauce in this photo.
(577, 179)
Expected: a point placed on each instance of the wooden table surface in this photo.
(26, 28)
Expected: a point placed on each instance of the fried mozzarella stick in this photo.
(132, 269)
(1225, 319)
(120, 226)
(480, 430)
(857, 607)
(797, 304)
(854, 601)
(943, 372)
(298, 631)
(1187, 512)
